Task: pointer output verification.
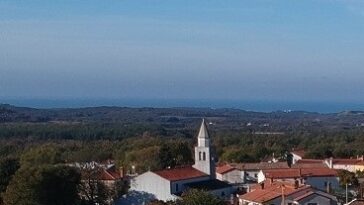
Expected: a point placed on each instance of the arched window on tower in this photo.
(199, 156)
(204, 156)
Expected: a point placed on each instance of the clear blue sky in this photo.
(269, 50)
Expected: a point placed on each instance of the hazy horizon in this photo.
(248, 105)
(266, 51)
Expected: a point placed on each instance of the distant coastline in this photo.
(258, 106)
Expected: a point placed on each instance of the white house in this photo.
(169, 184)
(229, 174)
(283, 193)
(324, 179)
(251, 170)
(351, 165)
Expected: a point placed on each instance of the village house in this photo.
(286, 193)
(169, 184)
(310, 163)
(324, 179)
(251, 170)
(229, 174)
(351, 165)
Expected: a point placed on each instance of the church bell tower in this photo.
(203, 159)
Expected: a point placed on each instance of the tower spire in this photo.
(203, 133)
(203, 159)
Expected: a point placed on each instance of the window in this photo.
(289, 204)
(204, 156)
(199, 156)
(312, 204)
(247, 174)
(177, 187)
(255, 175)
(222, 193)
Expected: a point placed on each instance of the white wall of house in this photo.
(261, 176)
(153, 184)
(252, 174)
(295, 158)
(348, 167)
(317, 199)
(233, 177)
(321, 182)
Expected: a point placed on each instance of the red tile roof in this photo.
(282, 173)
(317, 172)
(224, 169)
(310, 161)
(278, 188)
(182, 173)
(346, 161)
(312, 192)
(272, 191)
(260, 165)
(300, 172)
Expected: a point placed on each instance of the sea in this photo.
(248, 105)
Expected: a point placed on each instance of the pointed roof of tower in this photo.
(203, 133)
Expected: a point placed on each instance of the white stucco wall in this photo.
(295, 158)
(319, 182)
(350, 168)
(232, 177)
(319, 200)
(153, 184)
(261, 177)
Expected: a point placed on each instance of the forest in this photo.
(156, 138)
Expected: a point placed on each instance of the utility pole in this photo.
(346, 193)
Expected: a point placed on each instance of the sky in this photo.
(268, 50)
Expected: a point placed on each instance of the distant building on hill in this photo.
(351, 165)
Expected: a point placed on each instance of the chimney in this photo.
(262, 185)
(271, 180)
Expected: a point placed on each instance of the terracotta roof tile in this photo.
(272, 191)
(346, 161)
(310, 161)
(224, 169)
(299, 172)
(182, 173)
(260, 165)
